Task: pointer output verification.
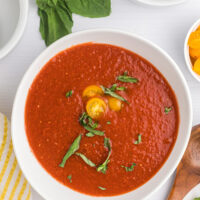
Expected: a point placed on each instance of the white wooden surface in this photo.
(167, 27)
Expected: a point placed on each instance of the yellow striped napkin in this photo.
(13, 185)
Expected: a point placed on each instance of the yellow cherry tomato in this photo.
(194, 40)
(197, 66)
(92, 90)
(114, 104)
(194, 53)
(96, 108)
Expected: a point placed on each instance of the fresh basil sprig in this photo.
(167, 110)
(69, 94)
(86, 160)
(56, 15)
(109, 92)
(101, 188)
(139, 140)
(72, 149)
(129, 169)
(127, 79)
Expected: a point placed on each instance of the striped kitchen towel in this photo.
(13, 185)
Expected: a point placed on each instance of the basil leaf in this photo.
(167, 110)
(107, 143)
(83, 119)
(113, 94)
(127, 79)
(70, 178)
(55, 19)
(113, 87)
(90, 8)
(101, 188)
(91, 123)
(139, 140)
(86, 160)
(69, 94)
(121, 88)
(108, 122)
(129, 169)
(72, 149)
(90, 134)
(103, 167)
(95, 132)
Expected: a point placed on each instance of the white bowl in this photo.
(160, 3)
(44, 183)
(186, 51)
(13, 17)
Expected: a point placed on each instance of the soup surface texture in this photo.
(142, 132)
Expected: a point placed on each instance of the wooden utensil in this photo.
(188, 171)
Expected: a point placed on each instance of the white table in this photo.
(167, 27)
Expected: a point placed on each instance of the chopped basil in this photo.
(94, 125)
(127, 79)
(90, 134)
(139, 140)
(108, 91)
(69, 94)
(113, 87)
(103, 167)
(101, 188)
(167, 110)
(129, 169)
(72, 149)
(86, 160)
(121, 88)
(70, 178)
(108, 122)
(95, 132)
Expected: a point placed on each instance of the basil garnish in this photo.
(108, 91)
(101, 188)
(121, 88)
(108, 122)
(90, 134)
(129, 169)
(139, 140)
(127, 79)
(72, 149)
(69, 94)
(70, 178)
(167, 110)
(86, 160)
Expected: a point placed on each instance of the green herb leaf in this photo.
(83, 119)
(121, 88)
(69, 93)
(127, 79)
(167, 110)
(103, 167)
(86, 160)
(129, 169)
(139, 140)
(55, 19)
(90, 8)
(72, 149)
(101, 188)
(108, 122)
(90, 134)
(107, 91)
(94, 125)
(113, 87)
(95, 132)
(70, 178)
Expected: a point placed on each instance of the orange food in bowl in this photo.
(194, 40)
(114, 104)
(194, 53)
(197, 66)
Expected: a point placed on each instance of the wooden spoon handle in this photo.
(184, 182)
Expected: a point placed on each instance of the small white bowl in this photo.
(43, 182)
(186, 51)
(160, 3)
(13, 17)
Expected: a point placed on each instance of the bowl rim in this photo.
(186, 50)
(19, 29)
(115, 31)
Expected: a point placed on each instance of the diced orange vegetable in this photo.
(197, 66)
(194, 53)
(92, 90)
(114, 104)
(96, 108)
(194, 40)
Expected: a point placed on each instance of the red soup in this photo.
(101, 119)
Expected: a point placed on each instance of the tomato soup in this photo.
(101, 119)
